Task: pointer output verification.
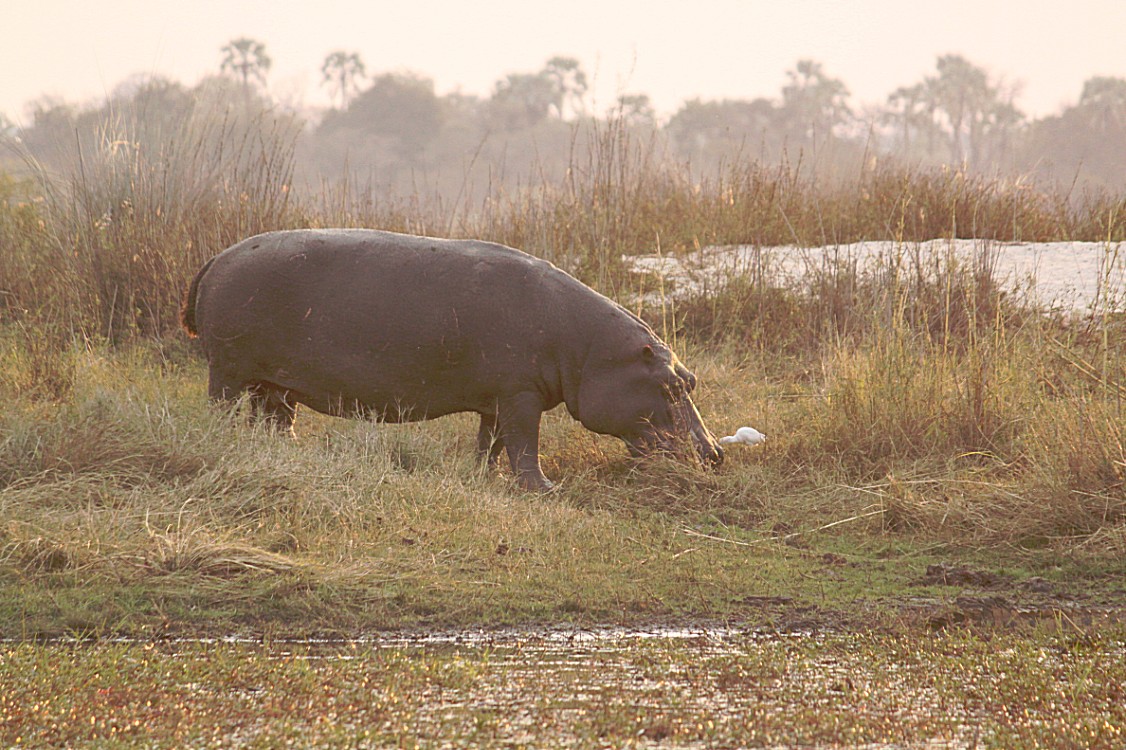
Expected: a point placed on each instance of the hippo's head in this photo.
(641, 394)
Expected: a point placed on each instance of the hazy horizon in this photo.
(712, 49)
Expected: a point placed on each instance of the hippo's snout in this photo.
(688, 426)
(711, 454)
(707, 447)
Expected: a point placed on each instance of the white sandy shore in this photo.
(1078, 276)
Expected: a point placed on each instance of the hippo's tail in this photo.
(187, 309)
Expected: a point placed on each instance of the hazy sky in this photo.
(672, 50)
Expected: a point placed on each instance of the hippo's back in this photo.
(381, 318)
(351, 279)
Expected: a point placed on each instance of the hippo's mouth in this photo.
(709, 452)
(688, 421)
(707, 449)
(690, 436)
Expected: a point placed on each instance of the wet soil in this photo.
(986, 598)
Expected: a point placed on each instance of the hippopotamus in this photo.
(396, 327)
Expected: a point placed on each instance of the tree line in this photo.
(395, 132)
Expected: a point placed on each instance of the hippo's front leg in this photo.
(519, 421)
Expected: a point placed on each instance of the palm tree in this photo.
(569, 82)
(813, 104)
(907, 109)
(962, 92)
(343, 72)
(247, 59)
(1103, 102)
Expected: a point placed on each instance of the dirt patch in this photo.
(996, 600)
(943, 574)
(1002, 612)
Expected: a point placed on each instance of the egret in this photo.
(744, 435)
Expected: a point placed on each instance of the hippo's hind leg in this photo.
(489, 441)
(267, 401)
(272, 405)
(224, 389)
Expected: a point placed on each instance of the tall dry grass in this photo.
(105, 248)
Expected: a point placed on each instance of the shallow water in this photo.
(696, 685)
(693, 686)
(680, 685)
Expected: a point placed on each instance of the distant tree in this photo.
(247, 60)
(219, 93)
(159, 92)
(636, 109)
(343, 72)
(962, 93)
(909, 112)
(398, 115)
(569, 81)
(51, 134)
(1103, 102)
(145, 91)
(707, 132)
(463, 106)
(48, 109)
(813, 104)
(993, 143)
(978, 112)
(964, 117)
(522, 100)
(151, 107)
(8, 129)
(1083, 143)
(58, 133)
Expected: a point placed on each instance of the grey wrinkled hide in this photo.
(355, 322)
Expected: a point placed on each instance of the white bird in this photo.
(744, 435)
